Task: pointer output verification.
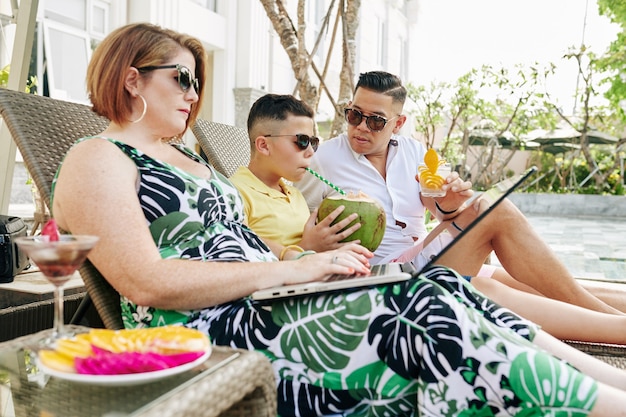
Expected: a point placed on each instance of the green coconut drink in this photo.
(371, 216)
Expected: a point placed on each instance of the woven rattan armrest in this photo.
(44, 129)
(607, 352)
(245, 387)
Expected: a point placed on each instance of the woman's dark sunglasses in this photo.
(373, 123)
(302, 141)
(185, 79)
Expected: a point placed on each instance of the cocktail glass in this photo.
(431, 182)
(57, 260)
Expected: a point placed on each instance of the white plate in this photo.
(125, 379)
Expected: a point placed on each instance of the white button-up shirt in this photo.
(399, 194)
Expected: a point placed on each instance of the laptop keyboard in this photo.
(375, 270)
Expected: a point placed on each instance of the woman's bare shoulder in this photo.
(95, 162)
(93, 144)
(95, 151)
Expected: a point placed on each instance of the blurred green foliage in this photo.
(31, 83)
(572, 174)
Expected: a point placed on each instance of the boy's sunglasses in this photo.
(302, 141)
(185, 79)
(373, 123)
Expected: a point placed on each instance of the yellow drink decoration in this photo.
(432, 175)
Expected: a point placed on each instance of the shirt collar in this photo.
(259, 186)
(392, 148)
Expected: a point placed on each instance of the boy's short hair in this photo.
(276, 107)
(383, 82)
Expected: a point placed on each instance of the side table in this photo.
(231, 382)
(26, 304)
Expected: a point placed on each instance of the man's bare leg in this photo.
(522, 253)
(613, 294)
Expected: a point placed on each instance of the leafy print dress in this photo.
(431, 346)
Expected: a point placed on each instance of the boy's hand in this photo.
(322, 236)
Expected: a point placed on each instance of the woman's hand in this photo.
(321, 236)
(349, 260)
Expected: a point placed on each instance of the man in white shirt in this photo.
(372, 157)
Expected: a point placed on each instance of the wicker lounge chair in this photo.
(44, 129)
(226, 147)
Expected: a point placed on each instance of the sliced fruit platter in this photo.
(131, 356)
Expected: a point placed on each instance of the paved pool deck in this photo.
(591, 248)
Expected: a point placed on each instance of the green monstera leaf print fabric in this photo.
(431, 346)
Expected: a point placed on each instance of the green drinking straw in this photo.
(325, 181)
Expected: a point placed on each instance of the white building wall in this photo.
(382, 39)
(246, 56)
(253, 46)
(222, 79)
(214, 30)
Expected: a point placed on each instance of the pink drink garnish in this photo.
(51, 229)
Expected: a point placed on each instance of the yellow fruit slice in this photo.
(167, 339)
(74, 348)
(57, 361)
(107, 340)
(431, 180)
(431, 159)
(176, 339)
(428, 174)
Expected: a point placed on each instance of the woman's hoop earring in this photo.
(145, 108)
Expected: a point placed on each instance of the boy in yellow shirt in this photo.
(281, 130)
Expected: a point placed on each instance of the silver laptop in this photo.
(394, 272)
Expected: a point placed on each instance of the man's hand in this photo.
(322, 236)
(457, 193)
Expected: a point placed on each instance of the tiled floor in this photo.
(591, 248)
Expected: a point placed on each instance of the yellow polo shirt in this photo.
(270, 213)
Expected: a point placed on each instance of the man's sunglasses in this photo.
(302, 141)
(373, 123)
(185, 78)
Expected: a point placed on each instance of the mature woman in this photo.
(173, 242)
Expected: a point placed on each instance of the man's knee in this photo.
(508, 212)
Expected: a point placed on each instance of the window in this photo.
(69, 12)
(67, 53)
(207, 4)
(98, 19)
(71, 30)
